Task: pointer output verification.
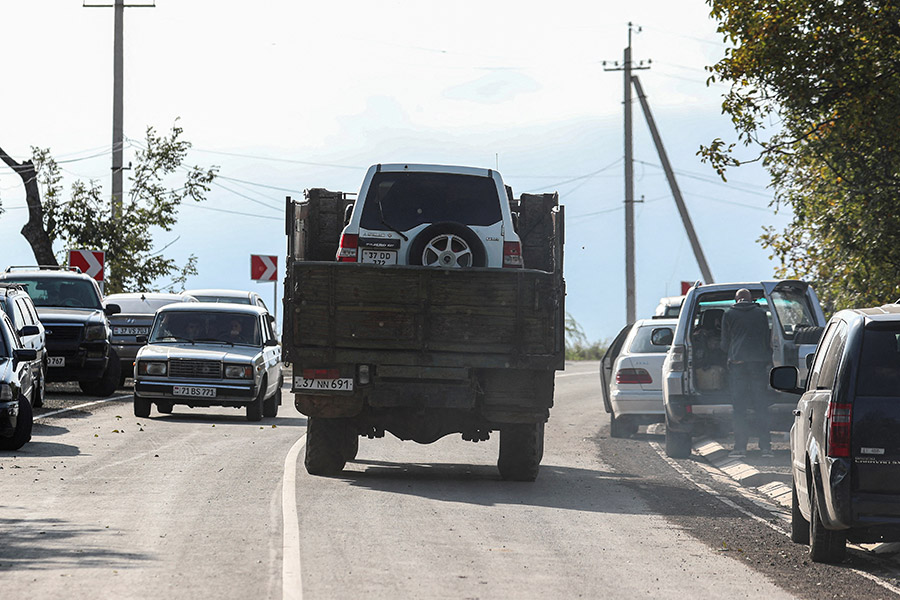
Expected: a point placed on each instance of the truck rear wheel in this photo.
(521, 451)
(325, 446)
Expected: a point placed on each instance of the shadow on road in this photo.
(39, 448)
(236, 419)
(38, 544)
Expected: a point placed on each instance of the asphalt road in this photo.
(202, 503)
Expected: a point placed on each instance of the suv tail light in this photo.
(633, 376)
(348, 249)
(676, 360)
(839, 416)
(512, 255)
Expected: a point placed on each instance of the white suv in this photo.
(431, 215)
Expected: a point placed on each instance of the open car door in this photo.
(797, 322)
(606, 364)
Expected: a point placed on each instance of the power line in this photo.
(284, 160)
(233, 212)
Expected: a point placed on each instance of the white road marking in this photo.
(291, 582)
(655, 429)
(86, 404)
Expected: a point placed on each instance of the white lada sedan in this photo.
(204, 354)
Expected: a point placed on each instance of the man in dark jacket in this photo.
(747, 340)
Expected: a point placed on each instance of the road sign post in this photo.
(91, 263)
(265, 268)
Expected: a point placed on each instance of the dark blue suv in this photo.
(845, 451)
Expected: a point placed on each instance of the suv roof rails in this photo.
(11, 286)
(42, 268)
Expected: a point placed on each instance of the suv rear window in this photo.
(879, 363)
(410, 199)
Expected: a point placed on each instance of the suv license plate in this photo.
(56, 361)
(379, 257)
(344, 384)
(187, 390)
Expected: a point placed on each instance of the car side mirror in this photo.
(21, 354)
(112, 309)
(29, 330)
(141, 339)
(271, 342)
(784, 379)
(662, 336)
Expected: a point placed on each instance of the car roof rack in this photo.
(41, 268)
(10, 285)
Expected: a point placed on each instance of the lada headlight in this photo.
(95, 332)
(152, 367)
(5, 391)
(238, 371)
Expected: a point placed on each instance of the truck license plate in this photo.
(188, 390)
(56, 361)
(344, 384)
(379, 257)
(131, 330)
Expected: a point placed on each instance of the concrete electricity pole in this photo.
(118, 144)
(628, 67)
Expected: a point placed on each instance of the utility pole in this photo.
(628, 67)
(118, 143)
(673, 184)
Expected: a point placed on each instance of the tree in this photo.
(37, 229)
(815, 89)
(86, 219)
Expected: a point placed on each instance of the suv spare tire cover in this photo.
(417, 248)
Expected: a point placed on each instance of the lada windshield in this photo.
(72, 293)
(206, 327)
(404, 200)
(140, 306)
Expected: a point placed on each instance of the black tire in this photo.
(165, 408)
(441, 230)
(141, 407)
(37, 396)
(325, 446)
(107, 384)
(799, 525)
(24, 424)
(678, 444)
(825, 545)
(521, 451)
(270, 404)
(351, 445)
(255, 408)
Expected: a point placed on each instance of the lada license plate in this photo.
(131, 330)
(56, 361)
(379, 257)
(344, 384)
(190, 390)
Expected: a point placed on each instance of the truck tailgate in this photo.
(450, 314)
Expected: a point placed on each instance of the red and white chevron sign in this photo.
(263, 268)
(89, 261)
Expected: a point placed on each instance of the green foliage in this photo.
(815, 89)
(86, 219)
(577, 345)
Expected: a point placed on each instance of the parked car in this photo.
(17, 304)
(227, 296)
(845, 451)
(431, 215)
(18, 387)
(135, 319)
(205, 354)
(75, 321)
(631, 375)
(669, 307)
(695, 385)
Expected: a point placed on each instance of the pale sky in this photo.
(287, 95)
